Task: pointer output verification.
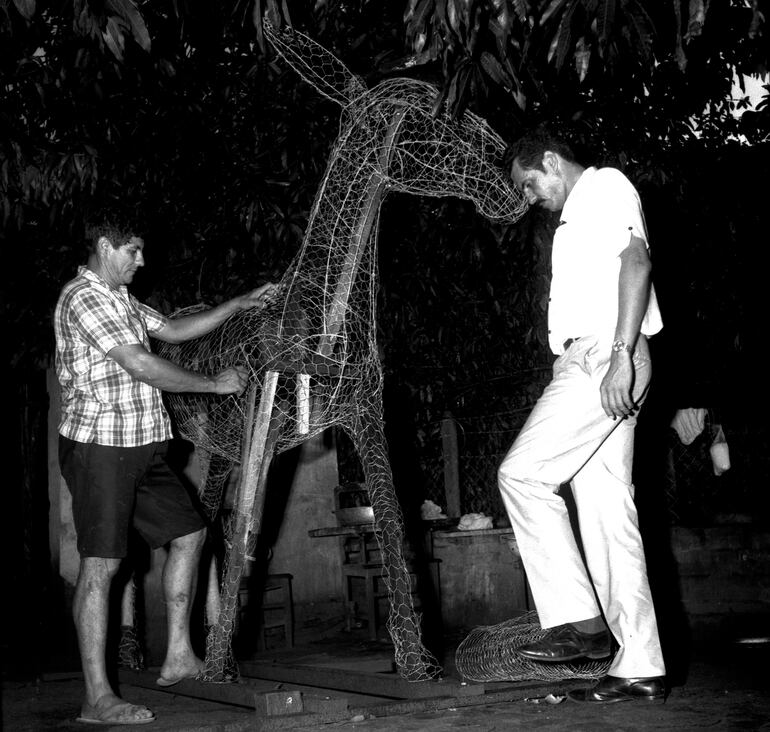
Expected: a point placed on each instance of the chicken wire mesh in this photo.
(481, 436)
(311, 352)
(488, 653)
(696, 495)
(482, 443)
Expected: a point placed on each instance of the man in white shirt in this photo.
(602, 307)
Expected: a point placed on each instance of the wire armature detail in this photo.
(312, 352)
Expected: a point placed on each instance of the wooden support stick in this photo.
(371, 201)
(451, 466)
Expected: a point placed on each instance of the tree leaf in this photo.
(502, 15)
(273, 13)
(474, 29)
(554, 7)
(641, 23)
(452, 95)
(757, 19)
(453, 16)
(605, 20)
(562, 40)
(679, 54)
(127, 10)
(256, 18)
(696, 18)
(416, 15)
(410, 10)
(285, 9)
(495, 70)
(25, 7)
(521, 8)
(113, 37)
(582, 58)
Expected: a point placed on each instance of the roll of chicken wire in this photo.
(488, 654)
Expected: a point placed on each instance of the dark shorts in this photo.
(114, 488)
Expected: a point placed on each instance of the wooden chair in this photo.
(277, 611)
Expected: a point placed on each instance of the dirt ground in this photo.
(722, 689)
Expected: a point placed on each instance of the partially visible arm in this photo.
(633, 296)
(178, 330)
(162, 374)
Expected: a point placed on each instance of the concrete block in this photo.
(279, 703)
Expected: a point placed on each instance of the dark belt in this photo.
(570, 341)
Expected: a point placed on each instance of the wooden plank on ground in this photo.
(274, 711)
(257, 694)
(514, 692)
(377, 684)
(240, 693)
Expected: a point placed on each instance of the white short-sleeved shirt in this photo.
(599, 216)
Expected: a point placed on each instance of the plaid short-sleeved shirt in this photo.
(100, 401)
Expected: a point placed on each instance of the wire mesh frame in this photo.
(482, 440)
(317, 338)
(693, 493)
(488, 653)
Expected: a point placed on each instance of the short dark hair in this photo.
(116, 226)
(530, 148)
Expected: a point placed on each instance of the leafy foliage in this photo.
(534, 50)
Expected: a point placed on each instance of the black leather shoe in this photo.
(613, 689)
(565, 643)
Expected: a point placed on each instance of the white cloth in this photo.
(719, 451)
(474, 522)
(430, 511)
(600, 214)
(568, 437)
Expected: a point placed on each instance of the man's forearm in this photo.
(156, 371)
(633, 294)
(633, 291)
(198, 324)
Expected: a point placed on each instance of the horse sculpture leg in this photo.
(414, 661)
(247, 521)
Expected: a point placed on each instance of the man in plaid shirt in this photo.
(114, 431)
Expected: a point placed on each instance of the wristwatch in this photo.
(620, 345)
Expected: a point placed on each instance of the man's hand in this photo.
(616, 386)
(689, 423)
(231, 381)
(257, 298)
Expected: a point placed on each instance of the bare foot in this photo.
(171, 674)
(110, 709)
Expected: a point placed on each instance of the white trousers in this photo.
(568, 437)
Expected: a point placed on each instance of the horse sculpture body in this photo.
(312, 352)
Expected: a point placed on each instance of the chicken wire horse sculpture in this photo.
(312, 352)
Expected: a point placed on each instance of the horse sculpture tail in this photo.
(315, 64)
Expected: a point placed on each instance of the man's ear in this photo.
(550, 162)
(103, 244)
